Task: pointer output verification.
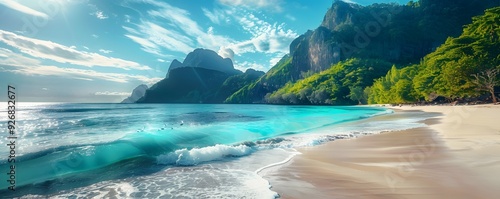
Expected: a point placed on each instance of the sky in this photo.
(100, 50)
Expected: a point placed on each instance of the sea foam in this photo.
(185, 157)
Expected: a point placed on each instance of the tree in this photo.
(357, 94)
(486, 81)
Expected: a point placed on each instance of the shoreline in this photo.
(454, 156)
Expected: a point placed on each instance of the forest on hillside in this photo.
(465, 67)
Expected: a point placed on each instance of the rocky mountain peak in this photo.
(207, 59)
(340, 12)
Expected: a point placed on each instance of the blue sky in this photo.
(98, 51)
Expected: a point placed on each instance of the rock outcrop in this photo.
(207, 59)
(203, 77)
(137, 94)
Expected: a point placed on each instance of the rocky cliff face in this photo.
(399, 34)
(314, 51)
(207, 59)
(339, 13)
(137, 93)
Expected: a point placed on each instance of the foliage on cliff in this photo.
(401, 35)
(449, 71)
(332, 86)
(254, 92)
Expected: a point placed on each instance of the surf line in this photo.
(258, 171)
(11, 129)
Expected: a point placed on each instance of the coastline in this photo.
(454, 156)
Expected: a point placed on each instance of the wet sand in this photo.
(456, 156)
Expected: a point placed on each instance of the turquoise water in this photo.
(73, 148)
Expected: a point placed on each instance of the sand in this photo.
(456, 156)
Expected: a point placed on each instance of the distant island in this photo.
(382, 53)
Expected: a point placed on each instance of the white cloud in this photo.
(168, 28)
(181, 20)
(88, 75)
(177, 32)
(45, 89)
(217, 16)
(64, 54)
(29, 66)
(160, 60)
(21, 8)
(95, 36)
(109, 93)
(152, 37)
(10, 58)
(100, 15)
(105, 51)
(243, 66)
(252, 4)
(226, 53)
(266, 37)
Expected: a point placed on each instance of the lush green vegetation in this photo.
(236, 82)
(364, 42)
(332, 86)
(395, 87)
(457, 69)
(400, 35)
(274, 79)
(465, 66)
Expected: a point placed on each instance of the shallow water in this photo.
(167, 150)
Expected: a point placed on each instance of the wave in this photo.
(184, 146)
(66, 161)
(185, 157)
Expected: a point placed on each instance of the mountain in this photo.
(235, 83)
(452, 70)
(207, 59)
(332, 86)
(137, 93)
(203, 77)
(398, 34)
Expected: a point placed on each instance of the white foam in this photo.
(275, 165)
(180, 182)
(185, 157)
(106, 189)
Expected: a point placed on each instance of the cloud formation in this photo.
(271, 4)
(105, 51)
(166, 28)
(171, 28)
(217, 16)
(28, 66)
(21, 8)
(100, 15)
(64, 54)
(243, 66)
(71, 73)
(112, 93)
(266, 37)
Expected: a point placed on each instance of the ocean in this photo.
(68, 150)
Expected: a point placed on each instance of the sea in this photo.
(72, 150)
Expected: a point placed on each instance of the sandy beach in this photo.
(455, 156)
